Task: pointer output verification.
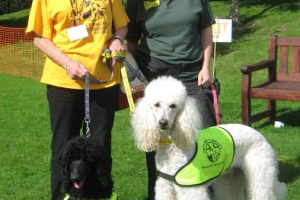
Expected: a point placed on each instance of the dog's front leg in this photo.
(164, 190)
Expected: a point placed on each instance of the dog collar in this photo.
(213, 156)
(166, 141)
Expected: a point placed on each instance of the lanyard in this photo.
(75, 11)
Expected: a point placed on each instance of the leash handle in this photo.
(108, 56)
(120, 57)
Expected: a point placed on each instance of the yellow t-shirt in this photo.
(51, 18)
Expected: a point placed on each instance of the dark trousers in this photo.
(67, 112)
(153, 68)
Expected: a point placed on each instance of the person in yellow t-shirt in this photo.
(73, 35)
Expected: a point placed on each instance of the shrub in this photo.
(7, 6)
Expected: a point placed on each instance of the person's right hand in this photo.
(75, 69)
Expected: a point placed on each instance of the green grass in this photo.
(25, 138)
(24, 119)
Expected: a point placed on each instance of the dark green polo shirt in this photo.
(170, 31)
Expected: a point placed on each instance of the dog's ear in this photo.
(145, 130)
(70, 151)
(187, 123)
(103, 177)
(65, 157)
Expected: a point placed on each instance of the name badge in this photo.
(77, 32)
(150, 4)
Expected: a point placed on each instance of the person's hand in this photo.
(75, 69)
(204, 78)
(116, 45)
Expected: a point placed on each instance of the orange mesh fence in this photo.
(18, 55)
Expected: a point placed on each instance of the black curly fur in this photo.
(97, 169)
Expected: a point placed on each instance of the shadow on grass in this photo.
(246, 26)
(289, 169)
(289, 116)
(278, 5)
(286, 115)
(287, 5)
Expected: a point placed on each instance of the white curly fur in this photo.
(167, 113)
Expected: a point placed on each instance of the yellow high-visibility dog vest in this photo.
(213, 156)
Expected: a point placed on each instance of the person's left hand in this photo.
(116, 45)
(204, 78)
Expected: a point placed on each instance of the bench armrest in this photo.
(270, 63)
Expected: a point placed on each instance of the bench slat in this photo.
(273, 94)
(288, 77)
(279, 90)
(296, 60)
(284, 62)
(291, 41)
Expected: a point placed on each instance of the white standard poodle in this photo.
(235, 160)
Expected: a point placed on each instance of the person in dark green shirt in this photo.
(173, 37)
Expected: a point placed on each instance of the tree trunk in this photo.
(234, 11)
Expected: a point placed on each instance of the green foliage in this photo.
(15, 19)
(7, 6)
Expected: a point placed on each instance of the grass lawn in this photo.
(24, 119)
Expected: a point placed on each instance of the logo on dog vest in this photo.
(213, 156)
(213, 149)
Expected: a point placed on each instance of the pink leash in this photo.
(216, 103)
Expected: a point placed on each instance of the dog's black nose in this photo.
(163, 123)
(75, 179)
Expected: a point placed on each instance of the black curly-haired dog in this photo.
(86, 170)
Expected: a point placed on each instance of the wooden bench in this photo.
(282, 81)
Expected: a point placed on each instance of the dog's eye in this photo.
(157, 105)
(173, 105)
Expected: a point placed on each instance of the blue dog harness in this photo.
(213, 157)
